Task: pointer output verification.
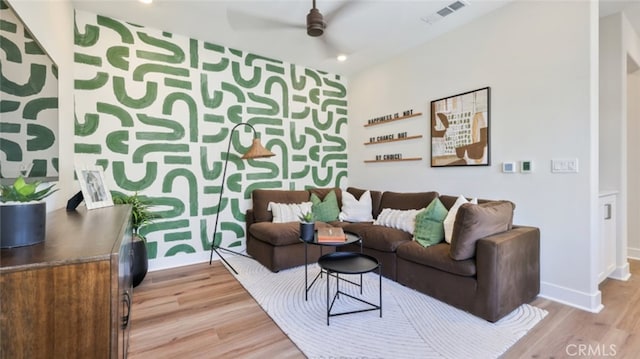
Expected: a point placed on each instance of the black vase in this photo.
(23, 224)
(306, 231)
(140, 263)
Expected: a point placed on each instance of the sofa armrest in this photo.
(249, 219)
(508, 270)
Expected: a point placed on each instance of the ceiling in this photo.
(367, 31)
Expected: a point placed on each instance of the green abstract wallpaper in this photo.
(155, 110)
(28, 103)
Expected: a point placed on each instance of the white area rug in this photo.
(413, 325)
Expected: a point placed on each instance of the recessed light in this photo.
(146, 1)
(342, 58)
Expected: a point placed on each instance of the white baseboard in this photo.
(633, 253)
(571, 297)
(621, 273)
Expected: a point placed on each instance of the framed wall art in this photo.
(460, 129)
(94, 190)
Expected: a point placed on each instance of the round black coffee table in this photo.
(349, 238)
(350, 263)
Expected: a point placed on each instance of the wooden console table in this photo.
(69, 296)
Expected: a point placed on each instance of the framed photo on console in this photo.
(94, 190)
(460, 129)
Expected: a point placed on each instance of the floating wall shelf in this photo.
(400, 160)
(394, 140)
(394, 119)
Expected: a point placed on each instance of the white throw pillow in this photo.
(451, 216)
(404, 220)
(356, 210)
(288, 212)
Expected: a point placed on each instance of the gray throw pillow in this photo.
(476, 221)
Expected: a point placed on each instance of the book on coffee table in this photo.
(331, 234)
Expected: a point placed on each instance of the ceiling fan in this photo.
(316, 22)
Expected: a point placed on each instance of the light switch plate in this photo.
(569, 165)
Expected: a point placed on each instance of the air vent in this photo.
(457, 6)
(447, 10)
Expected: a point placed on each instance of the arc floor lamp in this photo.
(255, 151)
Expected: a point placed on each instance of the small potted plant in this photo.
(140, 216)
(23, 213)
(307, 226)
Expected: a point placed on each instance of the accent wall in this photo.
(155, 110)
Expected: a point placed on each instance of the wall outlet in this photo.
(564, 165)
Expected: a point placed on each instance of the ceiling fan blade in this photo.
(329, 47)
(340, 10)
(239, 20)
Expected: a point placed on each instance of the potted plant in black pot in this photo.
(307, 226)
(23, 213)
(140, 216)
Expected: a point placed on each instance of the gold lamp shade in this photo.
(257, 151)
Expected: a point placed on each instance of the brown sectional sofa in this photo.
(504, 273)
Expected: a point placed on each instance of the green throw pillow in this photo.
(429, 229)
(326, 210)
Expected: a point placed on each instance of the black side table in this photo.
(350, 238)
(350, 263)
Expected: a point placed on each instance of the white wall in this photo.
(620, 45)
(543, 93)
(51, 22)
(633, 161)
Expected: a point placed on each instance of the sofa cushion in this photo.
(384, 239)
(279, 234)
(415, 200)
(436, 256)
(262, 197)
(357, 228)
(356, 210)
(474, 222)
(376, 198)
(404, 220)
(451, 216)
(323, 192)
(429, 229)
(326, 209)
(448, 201)
(288, 212)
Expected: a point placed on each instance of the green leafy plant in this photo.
(307, 217)
(140, 213)
(21, 191)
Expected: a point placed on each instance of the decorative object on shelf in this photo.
(307, 226)
(23, 214)
(460, 129)
(255, 151)
(93, 187)
(392, 137)
(390, 118)
(140, 216)
(392, 158)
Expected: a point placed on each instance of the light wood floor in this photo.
(201, 311)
